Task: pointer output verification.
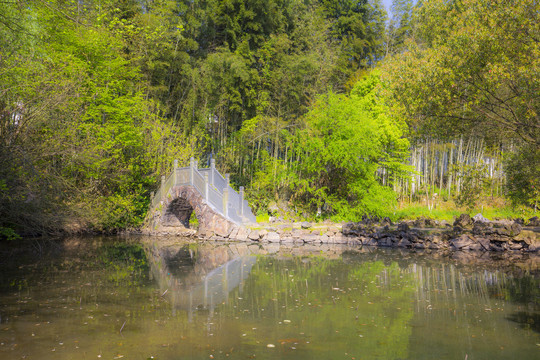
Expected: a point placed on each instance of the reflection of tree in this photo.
(126, 262)
(464, 310)
(334, 308)
(525, 290)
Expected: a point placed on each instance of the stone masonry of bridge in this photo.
(219, 209)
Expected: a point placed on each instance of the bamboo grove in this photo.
(320, 108)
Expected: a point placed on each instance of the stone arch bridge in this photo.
(218, 207)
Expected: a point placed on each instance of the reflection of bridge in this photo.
(218, 207)
(200, 279)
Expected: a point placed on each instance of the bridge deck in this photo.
(212, 186)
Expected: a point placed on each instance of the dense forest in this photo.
(320, 108)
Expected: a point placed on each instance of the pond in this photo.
(144, 298)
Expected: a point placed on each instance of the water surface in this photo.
(137, 298)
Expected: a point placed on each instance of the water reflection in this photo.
(198, 277)
(137, 298)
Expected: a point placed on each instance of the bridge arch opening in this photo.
(180, 212)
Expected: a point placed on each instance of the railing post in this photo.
(175, 172)
(212, 170)
(196, 164)
(241, 205)
(162, 186)
(191, 170)
(226, 201)
(228, 179)
(206, 186)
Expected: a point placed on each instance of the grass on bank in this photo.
(492, 209)
(448, 210)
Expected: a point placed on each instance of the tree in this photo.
(473, 69)
(359, 28)
(523, 172)
(345, 141)
(399, 27)
(81, 147)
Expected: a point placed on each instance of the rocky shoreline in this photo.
(465, 234)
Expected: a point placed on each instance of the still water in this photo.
(141, 298)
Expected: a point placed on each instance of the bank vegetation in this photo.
(319, 108)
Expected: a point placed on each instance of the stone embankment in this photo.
(465, 233)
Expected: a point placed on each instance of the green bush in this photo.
(523, 176)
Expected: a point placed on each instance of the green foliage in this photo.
(523, 172)
(348, 139)
(359, 25)
(88, 144)
(400, 26)
(98, 98)
(8, 234)
(472, 187)
(193, 221)
(449, 211)
(471, 68)
(338, 152)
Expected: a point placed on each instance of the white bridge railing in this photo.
(213, 187)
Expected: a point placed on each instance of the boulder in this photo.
(515, 245)
(479, 218)
(369, 241)
(350, 228)
(222, 228)
(305, 225)
(234, 233)
(311, 238)
(457, 230)
(287, 239)
(423, 222)
(386, 242)
(404, 243)
(484, 242)
(463, 220)
(463, 242)
(533, 247)
(333, 229)
(273, 236)
(482, 228)
(528, 237)
(242, 234)
(254, 235)
(496, 246)
(534, 221)
(403, 227)
(510, 230)
(339, 239)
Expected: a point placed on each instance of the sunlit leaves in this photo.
(347, 139)
(472, 68)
